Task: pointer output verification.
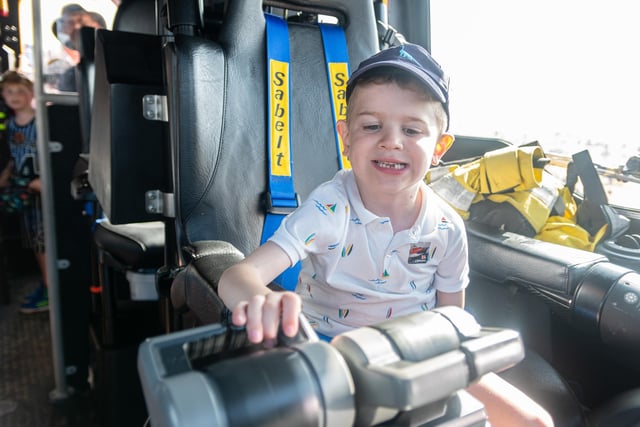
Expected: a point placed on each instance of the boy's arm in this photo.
(243, 288)
(6, 174)
(450, 298)
(505, 405)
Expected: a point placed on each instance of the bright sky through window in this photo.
(564, 73)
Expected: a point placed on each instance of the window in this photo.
(559, 72)
(60, 53)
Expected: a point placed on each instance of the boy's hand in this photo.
(261, 315)
(5, 174)
(34, 185)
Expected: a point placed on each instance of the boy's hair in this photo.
(15, 78)
(413, 60)
(405, 80)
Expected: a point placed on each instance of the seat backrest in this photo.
(137, 16)
(220, 118)
(129, 145)
(85, 77)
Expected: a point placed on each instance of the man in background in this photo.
(67, 29)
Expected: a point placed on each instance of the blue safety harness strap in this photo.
(281, 198)
(337, 60)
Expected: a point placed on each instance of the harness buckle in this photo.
(280, 206)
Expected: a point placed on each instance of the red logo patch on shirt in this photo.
(419, 253)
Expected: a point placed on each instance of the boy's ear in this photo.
(442, 146)
(343, 131)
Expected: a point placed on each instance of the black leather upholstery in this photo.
(219, 138)
(127, 157)
(135, 245)
(136, 16)
(522, 276)
(192, 291)
(621, 411)
(128, 152)
(509, 256)
(220, 134)
(85, 76)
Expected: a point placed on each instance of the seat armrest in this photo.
(212, 257)
(194, 289)
(549, 268)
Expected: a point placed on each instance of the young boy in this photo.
(17, 92)
(375, 242)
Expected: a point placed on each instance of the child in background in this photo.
(375, 242)
(17, 92)
(6, 163)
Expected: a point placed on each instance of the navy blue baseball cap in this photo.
(411, 58)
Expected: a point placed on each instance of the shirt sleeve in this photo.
(317, 225)
(453, 271)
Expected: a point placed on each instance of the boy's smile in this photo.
(390, 165)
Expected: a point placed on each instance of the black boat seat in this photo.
(134, 246)
(221, 133)
(127, 159)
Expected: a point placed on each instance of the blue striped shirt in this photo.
(23, 144)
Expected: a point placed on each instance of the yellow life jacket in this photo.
(507, 188)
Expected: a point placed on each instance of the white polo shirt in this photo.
(356, 271)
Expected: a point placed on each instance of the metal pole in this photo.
(42, 126)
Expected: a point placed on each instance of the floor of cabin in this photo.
(26, 364)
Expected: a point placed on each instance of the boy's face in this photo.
(17, 96)
(391, 136)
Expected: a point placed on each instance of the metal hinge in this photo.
(154, 107)
(158, 202)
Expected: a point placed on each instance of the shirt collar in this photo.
(359, 211)
(365, 215)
